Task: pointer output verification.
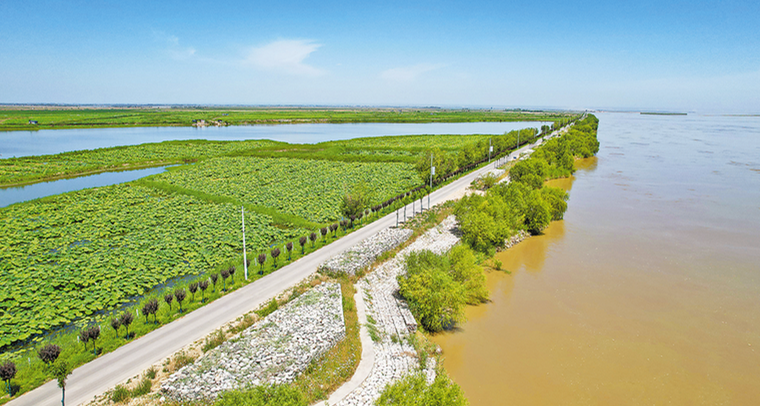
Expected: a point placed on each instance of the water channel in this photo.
(27, 143)
(648, 292)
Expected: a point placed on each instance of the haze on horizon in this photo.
(656, 55)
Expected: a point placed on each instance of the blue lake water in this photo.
(13, 195)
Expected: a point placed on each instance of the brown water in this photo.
(647, 293)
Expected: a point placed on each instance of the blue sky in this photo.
(667, 55)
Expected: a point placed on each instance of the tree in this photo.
(8, 372)
(323, 231)
(214, 277)
(538, 214)
(145, 311)
(150, 308)
(262, 260)
(49, 353)
(203, 285)
(192, 287)
(434, 296)
(355, 201)
(289, 247)
(168, 298)
(126, 319)
(180, 295)
(466, 271)
(95, 333)
(312, 238)
(275, 253)
(84, 337)
(115, 324)
(60, 371)
(225, 274)
(302, 242)
(231, 270)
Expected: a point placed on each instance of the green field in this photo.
(68, 256)
(310, 189)
(57, 117)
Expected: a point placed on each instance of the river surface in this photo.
(43, 142)
(648, 292)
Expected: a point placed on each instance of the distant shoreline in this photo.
(662, 114)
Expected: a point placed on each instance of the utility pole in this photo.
(245, 260)
(432, 172)
(490, 149)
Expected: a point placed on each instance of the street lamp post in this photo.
(245, 260)
(432, 172)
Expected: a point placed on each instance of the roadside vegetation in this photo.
(526, 203)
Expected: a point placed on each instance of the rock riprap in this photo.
(364, 253)
(395, 357)
(273, 351)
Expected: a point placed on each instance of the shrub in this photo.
(434, 296)
(283, 395)
(413, 390)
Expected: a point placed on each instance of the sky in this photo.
(701, 56)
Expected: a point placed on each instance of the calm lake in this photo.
(43, 142)
(647, 293)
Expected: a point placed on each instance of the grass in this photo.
(61, 118)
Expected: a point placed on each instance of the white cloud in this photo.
(409, 73)
(286, 55)
(173, 47)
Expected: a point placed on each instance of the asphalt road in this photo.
(131, 359)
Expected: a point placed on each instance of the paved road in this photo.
(131, 359)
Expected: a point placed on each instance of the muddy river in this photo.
(648, 292)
